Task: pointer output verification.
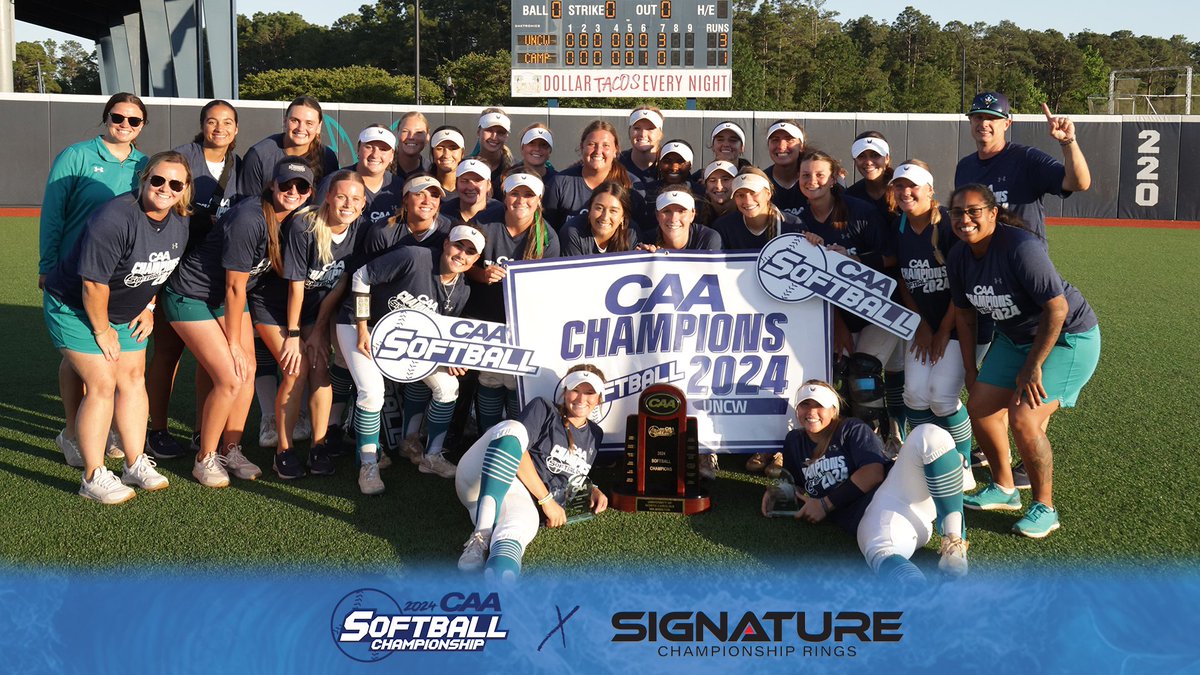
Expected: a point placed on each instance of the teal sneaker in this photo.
(1039, 521)
(992, 498)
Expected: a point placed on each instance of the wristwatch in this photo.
(293, 332)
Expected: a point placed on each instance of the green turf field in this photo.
(1126, 473)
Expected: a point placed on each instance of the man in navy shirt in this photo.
(1020, 176)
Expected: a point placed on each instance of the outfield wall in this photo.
(1135, 160)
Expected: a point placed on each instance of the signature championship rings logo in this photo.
(369, 625)
(790, 269)
(408, 345)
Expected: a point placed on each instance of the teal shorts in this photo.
(70, 329)
(178, 308)
(1070, 365)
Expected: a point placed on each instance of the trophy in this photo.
(579, 500)
(784, 503)
(662, 457)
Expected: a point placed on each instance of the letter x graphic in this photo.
(559, 628)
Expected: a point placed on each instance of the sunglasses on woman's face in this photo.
(301, 187)
(117, 119)
(175, 185)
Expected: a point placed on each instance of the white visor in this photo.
(655, 118)
(536, 133)
(877, 144)
(918, 175)
(420, 183)
(788, 128)
(720, 165)
(678, 147)
(727, 126)
(819, 393)
(675, 197)
(474, 166)
(451, 135)
(527, 179)
(495, 119)
(578, 377)
(468, 233)
(377, 134)
(750, 181)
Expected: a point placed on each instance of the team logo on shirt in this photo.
(153, 271)
(1000, 307)
(568, 461)
(326, 277)
(260, 267)
(923, 278)
(406, 300)
(825, 473)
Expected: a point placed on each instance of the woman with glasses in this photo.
(83, 177)
(99, 307)
(1046, 348)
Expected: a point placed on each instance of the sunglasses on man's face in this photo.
(117, 119)
(175, 185)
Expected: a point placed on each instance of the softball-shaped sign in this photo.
(400, 345)
(776, 263)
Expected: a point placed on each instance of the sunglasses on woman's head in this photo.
(175, 185)
(134, 122)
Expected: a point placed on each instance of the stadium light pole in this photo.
(417, 80)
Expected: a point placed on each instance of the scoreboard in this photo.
(626, 48)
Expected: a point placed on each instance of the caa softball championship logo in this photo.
(369, 625)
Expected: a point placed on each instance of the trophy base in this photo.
(688, 505)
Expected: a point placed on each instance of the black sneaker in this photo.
(1020, 477)
(978, 459)
(335, 441)
(161, 445)
(195, 441)
(287, 465)
(319, 461)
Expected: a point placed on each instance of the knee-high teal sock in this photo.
(899, 569)
(512, 404)
(366, 434)
(437, 421)
(944, 476)
(343, 385)
(489, 405)
(893, 399)
(959, 426)
(416, 398)
(917, 417)
(505, 559)
(500, 462)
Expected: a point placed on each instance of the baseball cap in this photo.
(467, 233)
(817, 392)
(990, 103)
(377, 134)
(289, 169)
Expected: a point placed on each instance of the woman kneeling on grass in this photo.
(99, 307)
(520, 465)
(1046, 348)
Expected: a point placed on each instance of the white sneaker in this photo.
(267, 436)
(210, 472)
(412, 448)
(954, 555)
(142, 474)
(709, 466)
(115, 449)
(437, 464)
(384, 461)
(70, 450)
(303, 430)
(474, 553)
(105, 488)
(236, 463)
(369, 482)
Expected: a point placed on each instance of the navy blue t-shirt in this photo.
(123, 248)
(736, 237)
(568, 195)
(238, 243)
(1019, 176)
(700, 238)
(258, 167)
(407, 277)
(852, 447)
(209, 200)
(487, 300)
(862, 237)
(1011, 282)
(556, 459)
(788, 199)
(576, 237)
(379, 205)
(927, 279)
(641, 179)
(452, 209)
(859, 191)
(301, 262)
(381, 236)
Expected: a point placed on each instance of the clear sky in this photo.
(1162, 18)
